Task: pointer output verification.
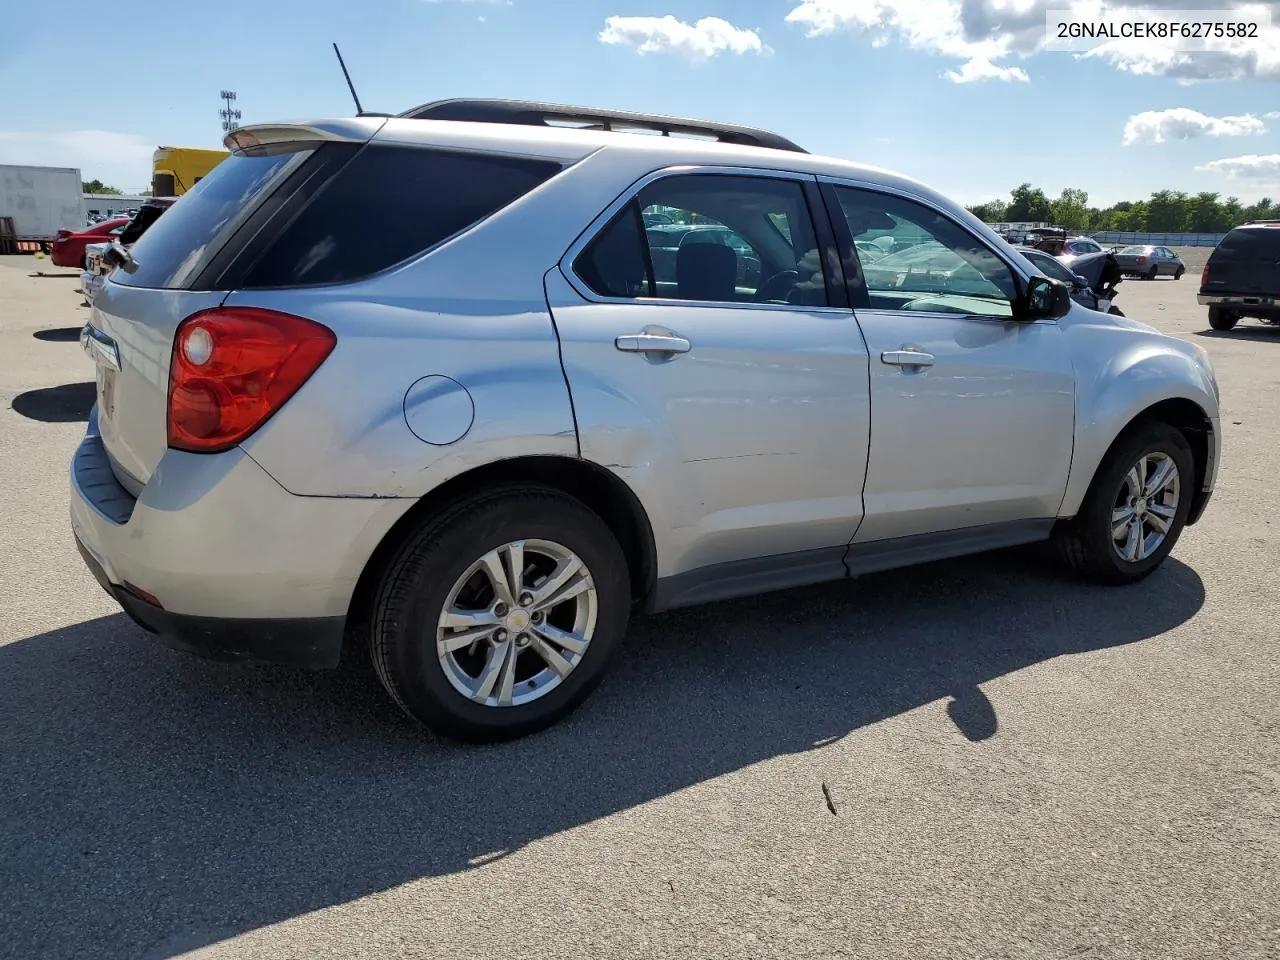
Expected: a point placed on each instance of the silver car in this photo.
(1149, 262)
(412, 383)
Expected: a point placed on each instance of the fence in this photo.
(1117, 237)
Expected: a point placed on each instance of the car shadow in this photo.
(58, 335)
(67, 403)
(1251, 332)
(156, 803)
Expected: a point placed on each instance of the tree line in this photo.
(1167, 211)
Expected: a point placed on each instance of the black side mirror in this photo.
(1045, 300)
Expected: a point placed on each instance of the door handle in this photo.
(907, 358)
(652, 343)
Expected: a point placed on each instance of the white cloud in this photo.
(1181, 123)
(120, 159)
(980, 68)
(698, 41)
(1263, 168)
(1273, 115)
(975, 30)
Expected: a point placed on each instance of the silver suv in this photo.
(421, 383)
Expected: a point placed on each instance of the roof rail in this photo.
(532, 113)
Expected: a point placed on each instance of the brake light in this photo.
(232, 368)
(1142, 259)
(1204, 274)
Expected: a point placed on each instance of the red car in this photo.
(68, 246)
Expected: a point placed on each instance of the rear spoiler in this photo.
(352, 130)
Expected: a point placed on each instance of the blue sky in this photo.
(861, 79)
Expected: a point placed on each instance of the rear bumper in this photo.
(312, 644)
(239, 568)
(1258, 305)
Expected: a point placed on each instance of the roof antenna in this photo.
(351, 86)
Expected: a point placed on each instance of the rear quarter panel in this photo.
(474, 309)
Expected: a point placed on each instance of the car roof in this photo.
(570, 145)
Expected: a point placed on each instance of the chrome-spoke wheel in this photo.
(517, 623)
(1145, 507)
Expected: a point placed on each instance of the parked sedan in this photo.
(1149, 262)
(68, 246)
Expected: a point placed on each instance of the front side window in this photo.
(729, 239)
(936, 266)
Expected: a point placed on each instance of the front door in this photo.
(972, 413)
(726, 384)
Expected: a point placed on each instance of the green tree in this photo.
(1168, 212)
(993, 211)
(1071, 210)
(1029, 204)
(97, 186)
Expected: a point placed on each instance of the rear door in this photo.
(730, 389)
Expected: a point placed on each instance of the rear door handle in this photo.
(652, 343)
(907, 358)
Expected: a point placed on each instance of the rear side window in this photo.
(1249, 243)
(388, 204)
(182, 241)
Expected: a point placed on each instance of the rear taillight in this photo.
(1142, 259)
(1204, 274)
(232, 368)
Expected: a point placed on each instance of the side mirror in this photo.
(1045, 300)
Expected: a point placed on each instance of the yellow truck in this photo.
(175, 170)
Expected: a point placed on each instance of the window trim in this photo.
(568, 262)
(858, 293)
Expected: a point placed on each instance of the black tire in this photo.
(1221, 319)
(417, 582)
(1177, 274)
(1151, 274)
(1085, 542)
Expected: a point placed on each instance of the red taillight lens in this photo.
(1142, 259)
(232, 368)
(1204, 275)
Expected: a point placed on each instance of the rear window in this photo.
(1250, 243)
(182, 241)
(387, 205)
(1134, 251)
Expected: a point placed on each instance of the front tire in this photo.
(1152, 273)
(1221, 319)
(1177, 274)
(500, 614)
(1135, 508)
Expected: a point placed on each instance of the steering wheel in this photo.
(776, 288)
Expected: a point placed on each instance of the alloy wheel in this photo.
(1145, 507)
(517, 623)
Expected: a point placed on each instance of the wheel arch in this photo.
(600, 489)
(1192, 421)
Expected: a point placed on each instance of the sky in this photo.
(961, 94)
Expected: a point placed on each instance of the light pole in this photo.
(229, 114)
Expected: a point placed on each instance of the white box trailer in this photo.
(40, 201)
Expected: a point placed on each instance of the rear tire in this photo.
(1089, 543)
(1221, 319)
(442, 568)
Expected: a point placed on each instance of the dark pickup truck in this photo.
(1242, 276)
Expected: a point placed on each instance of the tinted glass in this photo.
(936, 266)
(175, 249)
(616, 262)
(387, 205)
(747, 240)
(1052, 268)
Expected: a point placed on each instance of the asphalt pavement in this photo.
(972, 759)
